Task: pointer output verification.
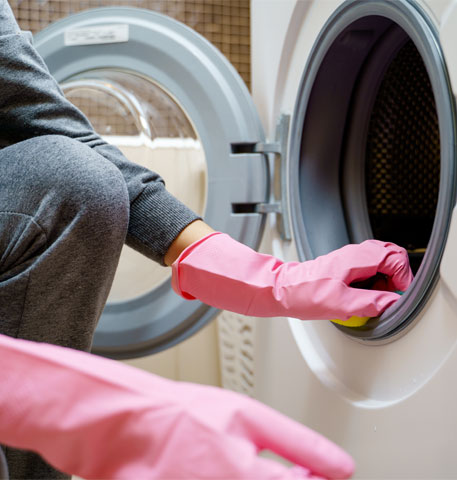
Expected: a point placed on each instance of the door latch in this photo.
(279, 204)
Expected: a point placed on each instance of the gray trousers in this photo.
(64, 213)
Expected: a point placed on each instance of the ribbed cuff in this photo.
(156, 219)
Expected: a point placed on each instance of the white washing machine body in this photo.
(389, 402)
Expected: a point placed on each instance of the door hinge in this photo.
(279, 204)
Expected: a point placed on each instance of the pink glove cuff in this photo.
(175, 283)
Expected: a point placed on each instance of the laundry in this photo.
(356, 321)
(353, 321)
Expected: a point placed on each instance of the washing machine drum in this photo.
(375, 145)
(402, 159)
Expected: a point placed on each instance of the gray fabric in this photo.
(64, 214)
(68, 202)
(32, 104)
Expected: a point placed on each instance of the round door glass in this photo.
(150, 128)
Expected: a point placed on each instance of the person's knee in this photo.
(94, 185)
(87, 187)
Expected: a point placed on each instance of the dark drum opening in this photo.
(402, 172)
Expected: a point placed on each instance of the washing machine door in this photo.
(171, 101)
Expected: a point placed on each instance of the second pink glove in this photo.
(226, 274)
(101, 419)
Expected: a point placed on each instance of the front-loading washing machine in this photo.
(370, 86)
(357, 99)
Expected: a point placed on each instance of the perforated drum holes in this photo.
(402, 170)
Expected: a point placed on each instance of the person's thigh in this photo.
(63, 220)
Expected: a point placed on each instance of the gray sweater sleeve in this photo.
(32, 104)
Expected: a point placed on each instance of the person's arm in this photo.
(189, 235)
(32, 104)
(161, 227)
(228, 275)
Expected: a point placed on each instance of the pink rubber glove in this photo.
(226, 274)
(97, 418)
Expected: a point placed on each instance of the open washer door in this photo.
(170, 100)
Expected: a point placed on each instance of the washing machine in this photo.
(370, 86)
(356, 99)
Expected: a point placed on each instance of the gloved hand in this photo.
(226, 274)
(97, 418)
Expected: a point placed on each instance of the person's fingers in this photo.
(353, 262)
(300, 445)
(150, 415)
(401, 278)
(300, 472)
(372, 257)
(266, 469)
(394, 264)
(366, 303)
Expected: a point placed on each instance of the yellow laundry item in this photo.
(353, 321)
